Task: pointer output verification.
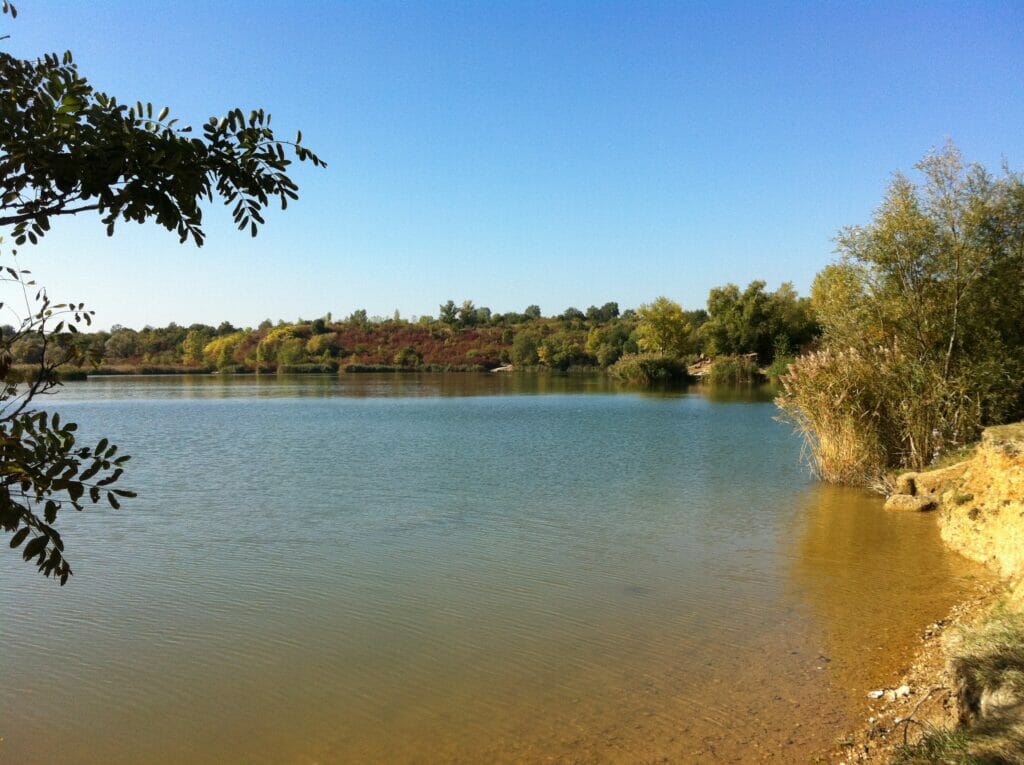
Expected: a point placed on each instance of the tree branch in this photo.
(8, 220)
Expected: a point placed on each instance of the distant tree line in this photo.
(464, 336)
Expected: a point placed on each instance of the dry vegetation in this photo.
(989, 671)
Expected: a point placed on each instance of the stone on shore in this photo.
(906, 503)
(907, 484)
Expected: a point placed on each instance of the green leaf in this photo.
(34, 547)
(19, 536)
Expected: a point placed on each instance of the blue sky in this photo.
(516, 153)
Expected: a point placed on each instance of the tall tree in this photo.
(663, 328)
(756, 321)
(449, 313)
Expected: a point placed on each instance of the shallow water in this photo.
(457, 568)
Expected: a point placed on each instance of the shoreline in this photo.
(978, 506)
(921, 697)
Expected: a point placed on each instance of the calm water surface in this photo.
(456, 568)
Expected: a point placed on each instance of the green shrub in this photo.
(923, 325)
(324, 343)
(408, 358)
(303, 369)
(733, 370)
(524, 348)
(648, 369)
(360, 368)
(364, 368)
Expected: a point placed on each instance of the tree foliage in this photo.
(756, 321)
(460, 338)
(67, 149)
(663, 328)
(43, 467)
(923, 320)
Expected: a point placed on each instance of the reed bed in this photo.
(861, 414)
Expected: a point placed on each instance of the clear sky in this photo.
(512, 153)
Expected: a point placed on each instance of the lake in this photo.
(457, 568)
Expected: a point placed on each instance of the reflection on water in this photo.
(389, 385)
(357, 385)
(739, 394)
(438, 568)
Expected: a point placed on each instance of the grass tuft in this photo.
(990, 663)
